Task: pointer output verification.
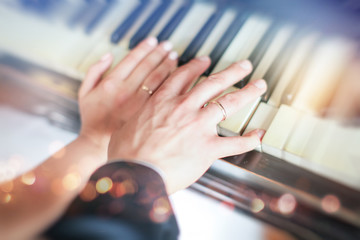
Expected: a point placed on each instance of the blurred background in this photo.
(303, 182)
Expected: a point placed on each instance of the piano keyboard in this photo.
(302, 65)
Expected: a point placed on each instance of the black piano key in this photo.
(125, 26)
(43, 7)
(226, 40)
(145, 29)
(175, 21)
(278, 66)
(99, 16)
(260, 50)
(202, 35)
(82, 13)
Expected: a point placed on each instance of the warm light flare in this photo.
(71, 181)
(6, 198)
(257, 205)
(28, 178)
(287, 204)
(104, 185)
(7, 186)
(161, 210)
(330, 203)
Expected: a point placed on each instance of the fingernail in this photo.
(245, 64)
(167, 46)
(105, 57)
(152, 41)
(260, 84)
(173, 55)
(203, 58)
(261, 133)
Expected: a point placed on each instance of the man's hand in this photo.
(176, 133)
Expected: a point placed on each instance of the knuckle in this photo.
(160, 95)
(230, 98)
(156, 75)
(215, 78)
(132, 56)
(215, 81)
(95, 68)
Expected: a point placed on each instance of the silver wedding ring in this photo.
(146, 89)
(221, 108)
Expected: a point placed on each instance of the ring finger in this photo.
(149, 64)
(158, 76)
(232, 102)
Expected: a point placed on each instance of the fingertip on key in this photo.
(260, 84)
(203, 58)
(260, 133)
(152, 41)
(245, 64)
(173, 55)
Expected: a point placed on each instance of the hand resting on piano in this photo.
(149, 113)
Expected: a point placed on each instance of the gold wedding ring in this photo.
(145, 88)
(221, 108)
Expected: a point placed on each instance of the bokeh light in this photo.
(287, 204)
(330, 203)
(6, 198)
(28, 178)
(257, 205)
(71, 181)
(104, 185)
(161, 210)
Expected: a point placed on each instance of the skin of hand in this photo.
(105, 103)
(177, 134)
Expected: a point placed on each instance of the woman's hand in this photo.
(105, 103)
(176, 133)
(108, 102)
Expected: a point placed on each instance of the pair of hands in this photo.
(169, 128)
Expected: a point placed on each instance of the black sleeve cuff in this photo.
(125, 192)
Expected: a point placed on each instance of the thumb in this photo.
(229, 146)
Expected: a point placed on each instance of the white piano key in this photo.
(323, 75)
(51, 44)
(176, 4)
(244, 42)
(217, 33)
(104, 45)
(280, 130)
(333, 152)
(261, 119)
(83, 44)
(140, 21)
(320, 137)
(299, 56)
(299, 138)
(34, 39)
(342, 156)
(191, 25)
(273, 51)
(346, 102)
(237, 122)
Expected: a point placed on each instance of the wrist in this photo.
(99, 143)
